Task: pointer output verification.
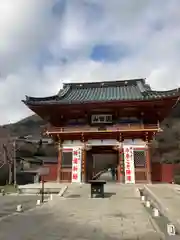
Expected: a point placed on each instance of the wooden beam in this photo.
(109, 129)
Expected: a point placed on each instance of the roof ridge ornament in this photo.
(62, 92)
(141, 86)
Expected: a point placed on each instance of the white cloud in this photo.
(41, 47)
(26, 27)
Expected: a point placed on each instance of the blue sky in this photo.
(109, 52)
(46, 43)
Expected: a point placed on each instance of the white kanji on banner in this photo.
(129, 164)
(76, 164)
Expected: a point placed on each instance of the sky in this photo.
(46, 43)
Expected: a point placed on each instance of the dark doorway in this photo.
(102, 162)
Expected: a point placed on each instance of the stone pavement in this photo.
(167, 196)
(8, 203)
(75, 216)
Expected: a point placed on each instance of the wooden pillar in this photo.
(148, 162)
(118, 167)
(84, 177)
(60, 149)
(121, 165)
(120, 162)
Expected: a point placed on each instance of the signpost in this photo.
(43, 171)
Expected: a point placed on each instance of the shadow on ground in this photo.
(109, 194)
(106, 195)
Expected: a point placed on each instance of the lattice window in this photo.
(139, 159)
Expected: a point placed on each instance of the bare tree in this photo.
(6, 151)
(9, 157)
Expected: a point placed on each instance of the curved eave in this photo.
(65, 103)
(55, 98)
(165, 94)
(40, 99)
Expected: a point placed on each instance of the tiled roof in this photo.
(129, 90)
(40, 159)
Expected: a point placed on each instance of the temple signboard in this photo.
(101, 118)
(76, 165)
(129, 164)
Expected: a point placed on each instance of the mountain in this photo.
(31, 125)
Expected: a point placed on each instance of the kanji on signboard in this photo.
(75, 153)
(75, 160)
(127, 150)
(129, 178)
(74, 176)
(128, 172)
(127, 155)
(75, 169)
(128, 167)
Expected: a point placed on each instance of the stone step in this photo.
(36, 188)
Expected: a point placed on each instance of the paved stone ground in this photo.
(76, 217)
(8, 203)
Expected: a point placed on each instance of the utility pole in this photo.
(14, 155)
(42, 189)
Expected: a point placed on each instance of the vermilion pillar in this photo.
(59, 161)
(121, 166)
(83, 164)
(148, 163)
(118, 166)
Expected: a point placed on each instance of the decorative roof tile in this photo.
(130, 90)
